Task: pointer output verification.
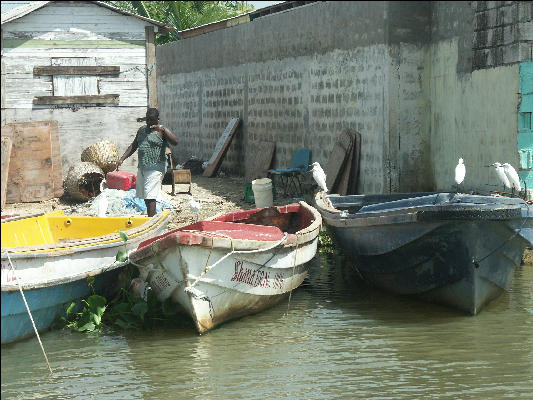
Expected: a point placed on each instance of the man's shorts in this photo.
(148, 185)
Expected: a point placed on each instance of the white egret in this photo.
(319, 176)
(195, 206)
(460, 172)
(512, 175)
(102, 202)
(500, 172)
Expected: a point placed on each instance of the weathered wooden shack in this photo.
(85, 64)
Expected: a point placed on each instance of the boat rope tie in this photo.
(475, 262)
(28, 309)
(233, 251)
(198, 295)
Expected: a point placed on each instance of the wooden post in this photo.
(151, 74)
(3, 81)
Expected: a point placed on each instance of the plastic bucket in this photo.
(262, 189)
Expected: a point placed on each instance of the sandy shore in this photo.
(216, 196)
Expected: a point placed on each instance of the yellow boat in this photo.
(52, 255)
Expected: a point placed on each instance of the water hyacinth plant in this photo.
(122, 254)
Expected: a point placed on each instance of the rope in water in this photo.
(293, 268)
(29, 312)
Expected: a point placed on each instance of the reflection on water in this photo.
(339, 339)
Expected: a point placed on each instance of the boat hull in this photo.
(46, 303)
(55, 277)
(454, 257)
(441, 268)
(213, 282)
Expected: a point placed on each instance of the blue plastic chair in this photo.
(290, 177)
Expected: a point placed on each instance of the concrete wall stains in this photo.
(503, 32)
(473, 117)
(406, 75)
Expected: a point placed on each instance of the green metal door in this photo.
(525, 129)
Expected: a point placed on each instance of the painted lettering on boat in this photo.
(278, 281)
(8, 274)
(160, 283)
(256, 277)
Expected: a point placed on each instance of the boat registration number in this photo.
(8, 273)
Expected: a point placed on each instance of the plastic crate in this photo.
(249, 193)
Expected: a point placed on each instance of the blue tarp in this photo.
(120, 202)
(136, 204)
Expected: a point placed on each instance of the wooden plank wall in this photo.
(94, 36)
(35, 162)
(6, 155)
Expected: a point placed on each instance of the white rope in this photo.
(29, 312)
(293, 268)
(285, 234)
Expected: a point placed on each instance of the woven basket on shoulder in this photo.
(104, 154)
(83, 181)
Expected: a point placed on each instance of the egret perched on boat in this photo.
(102, 203)
(319, 176)
(460, 172)
(500, 172)
(513, 177)
(195, 206)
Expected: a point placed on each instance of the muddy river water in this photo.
(336, 339)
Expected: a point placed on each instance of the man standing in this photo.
(151, 139)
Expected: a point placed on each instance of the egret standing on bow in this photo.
(460, 172)
(319, 176)
(513, 177)
(501, 174)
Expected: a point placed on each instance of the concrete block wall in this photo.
(503, 33)
(403, 74)
(299, 78)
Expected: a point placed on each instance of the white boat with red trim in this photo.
(236, 264)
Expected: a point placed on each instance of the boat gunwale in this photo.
(72, 246)
(60, 281)
(423, 213)
(302, 236)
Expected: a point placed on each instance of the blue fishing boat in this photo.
(55, 259)
(459, 250)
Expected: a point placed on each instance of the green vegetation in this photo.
(127, 310)
(183, 14)
(326, 242)
(122, 254)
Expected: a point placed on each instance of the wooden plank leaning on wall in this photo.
(35, 171)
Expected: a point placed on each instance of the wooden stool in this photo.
(181, 176)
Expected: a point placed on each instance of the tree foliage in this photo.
(183, 14)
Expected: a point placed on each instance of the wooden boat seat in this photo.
(231, 230)
(237, 230)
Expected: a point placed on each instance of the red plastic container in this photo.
(120, 180)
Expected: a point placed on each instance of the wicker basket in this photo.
(104, 154)
(83, 181)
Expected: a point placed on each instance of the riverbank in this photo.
(216, 196)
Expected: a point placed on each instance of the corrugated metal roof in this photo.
(242, 18)
(21, 11)
(8, 5)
